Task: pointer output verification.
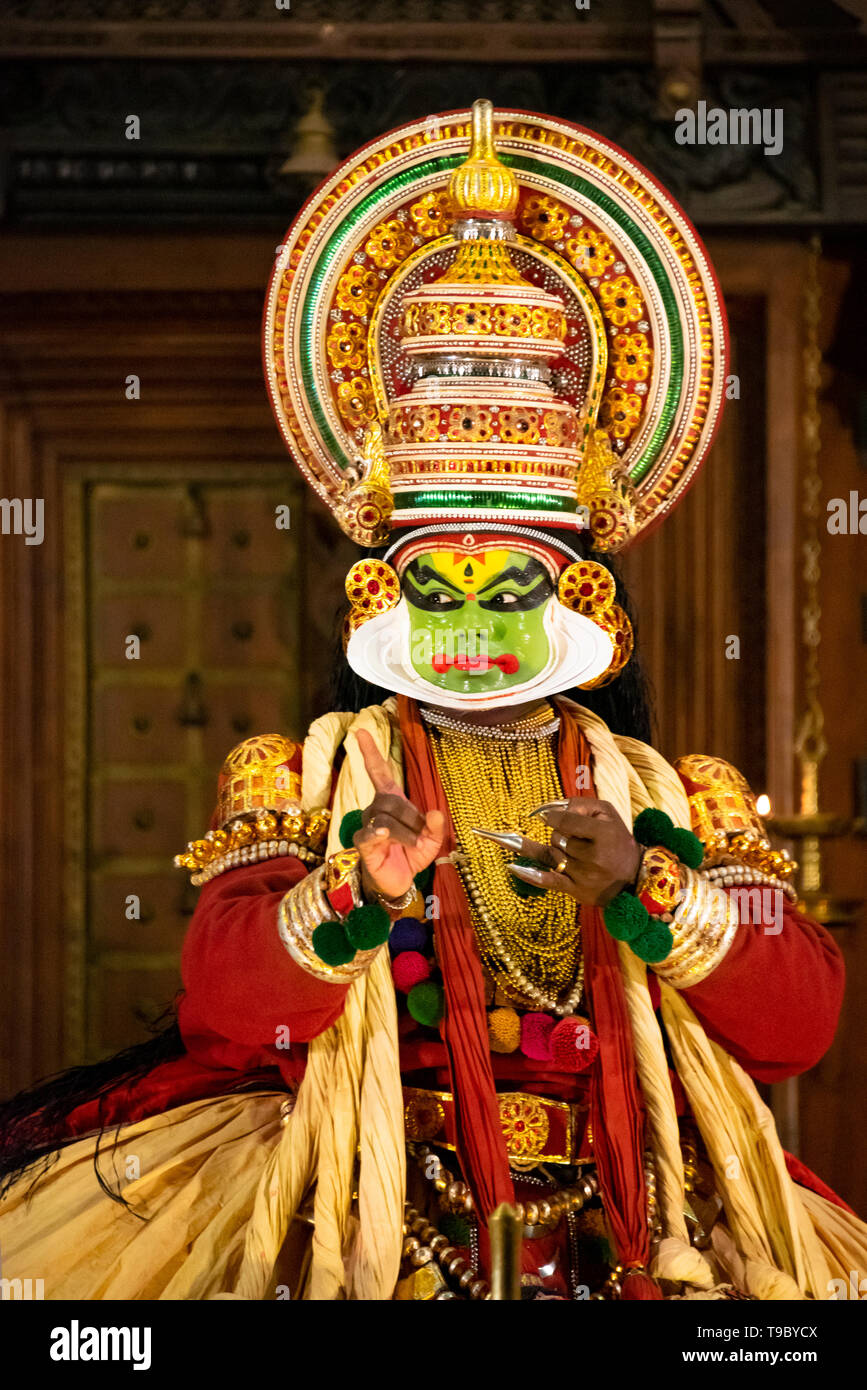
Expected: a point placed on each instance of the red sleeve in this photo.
(774, 1000)
(240, 980)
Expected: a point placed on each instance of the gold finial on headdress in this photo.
(605, 490)
(366, 503)
(482, 186)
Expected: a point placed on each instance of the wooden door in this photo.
(191, 627)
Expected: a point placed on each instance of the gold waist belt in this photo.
(544, 1131)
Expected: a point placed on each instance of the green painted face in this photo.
(476, 621)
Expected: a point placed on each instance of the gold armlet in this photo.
(703, 925)
(249, 840)
(301, 911)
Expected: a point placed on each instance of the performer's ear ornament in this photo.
(588, 588)
(372, 588)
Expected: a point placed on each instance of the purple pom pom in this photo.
(407, 934)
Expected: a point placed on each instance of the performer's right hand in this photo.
(395, 841)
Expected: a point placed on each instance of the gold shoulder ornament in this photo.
(258, 813)
(725, 818)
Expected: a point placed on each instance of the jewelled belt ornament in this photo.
(535, 1130)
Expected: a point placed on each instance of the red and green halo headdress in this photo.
(527, 335)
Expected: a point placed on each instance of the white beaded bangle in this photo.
(704, 925)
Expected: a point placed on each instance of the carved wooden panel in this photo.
(205, 580)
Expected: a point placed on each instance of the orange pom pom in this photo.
(504, 1030)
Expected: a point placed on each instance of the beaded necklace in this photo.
(533, 944)
(542, 724)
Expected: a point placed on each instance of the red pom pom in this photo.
(536, 1030)
(408, 970)
(573, 1044)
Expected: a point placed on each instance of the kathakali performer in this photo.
(474, 941)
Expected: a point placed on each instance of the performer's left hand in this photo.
(592, 855)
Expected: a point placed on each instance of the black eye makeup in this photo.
(494, 597)
(443, 598)
(510, 602)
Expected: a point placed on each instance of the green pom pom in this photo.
(424, 880)
(331, 944)
(653, 827)
(426, 1003)
(625, 917)
(654, 943)
(527, 890)
(349, 827)
(456, 1229)
(366, 926)
(688, 847)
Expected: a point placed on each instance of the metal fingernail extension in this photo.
(509, 839)
(529, 875)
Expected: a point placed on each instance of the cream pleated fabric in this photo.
(222, 1180)
(200, 1166)
(620, 776)
(350, 1101)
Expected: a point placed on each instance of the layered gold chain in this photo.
(495, 784)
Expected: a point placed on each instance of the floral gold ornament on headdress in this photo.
(372, 587)
(588, 588)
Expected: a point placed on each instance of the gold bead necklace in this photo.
(533, 944)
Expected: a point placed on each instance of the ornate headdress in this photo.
(510, 346)
(530, 335)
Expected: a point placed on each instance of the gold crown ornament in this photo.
(482, 186)
(495, 317)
